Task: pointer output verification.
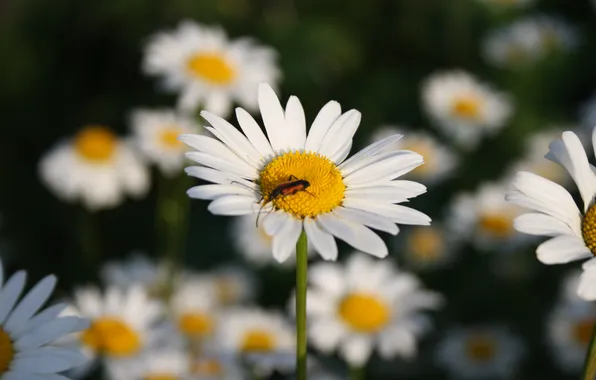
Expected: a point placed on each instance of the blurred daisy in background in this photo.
(344, 197)
(156, 134)
(234, 285)
(208, 70)
(154, 364)
(96, 168)
(529, 40)
(464, 108)
(254, 244)
(480, 352)
(367, 304)
(439, 160)
(427, 247)
(27, 332)
(217, 366)
(587, 113)
(557, 215)
(486, 218)
(136, 269)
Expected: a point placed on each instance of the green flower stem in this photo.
(301, 278)
(590, 362)
(357, 373)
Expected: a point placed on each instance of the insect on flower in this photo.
(290, 187)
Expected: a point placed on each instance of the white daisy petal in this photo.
(562, 249)
(273, 117)
(326, 334)
(11, 292)
(325, 118)
(541, 224)
(39, 319)
(48, 332)
(284, 241)
(254, 133)
(357, 235)
(356, 350)
(396, 164)
(209, 192)
(375, 221)
(340, 133)
(587, 281)
(224, 164)
(396, 213)
(30, 303)
(323, 242)
(296, 122)
(342, 152)
(233, 205)
(367, 155)
(327, 277)
(217, 176)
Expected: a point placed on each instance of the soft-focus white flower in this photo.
(137, 269)
(302, 181)
(486, 218)
(233, 284)
(480, 352)
(366, 304)
(528, 40)
(427, 247)
(155, 364)
(556, 215)
(464, 108)
(96, 168)
(27, 332)
(218, 366)
(209, 70)
(439, 160)
(156, 134)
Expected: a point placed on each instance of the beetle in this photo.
(290, 187)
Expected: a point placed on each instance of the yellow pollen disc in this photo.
(582, 331)
(6, 351)
(169, 137)
(161, 376)
(480, 348)
(211, 67)
(324, 193)
(207, 367)
(95, 143)
(426, 243)
(364, 313)
(496, 224)
(257, 341)
(589, 229)
(196, 325)
(467, 107)
(112, 336)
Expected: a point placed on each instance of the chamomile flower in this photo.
(331, 197)
(27, 332)
(556, 213)
(428, 247)
(480, 352)
(233, 285)
(486, 218)
(121, 321)
(464, 108)
(156, 134)
(207, 69)
(95, 168)
(194, 306)
(217, 366)
(366, 304)
(439, 160)
(154, 364)
(137, 269)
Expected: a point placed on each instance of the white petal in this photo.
(31, 303)
(273, 117)
(215, 191)
(394, 165)
(325, 334)
(217, 176)
(323, 242)
(342, 153)
(234, 148)
(397, 213)
(39, 319)
(341, 132)
(328, 277)
(224, 164)
(284, 241)
(357, 235)
(367, 155)
(253, 132)
(213, 147)
(389, 194)
(541, 224)
(234, 205)
(369, 219)
(48, 332)
(562, 249)
(10, 293)
(587, 281)
(357, 349)
(296, 123)
(273, 221)
(325, 118)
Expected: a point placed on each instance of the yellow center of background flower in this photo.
(480, 348)
(95, 143)
(589, 229)
(161, 376)
(207, 367)
(364, 313)
(467, 107)
(211, 67)
(324, 193)
(112, 336)
(497, 224)
(582, 331)
(169, 137)
(426, 244)
(6, 351)
(196, 325)
(257, 341)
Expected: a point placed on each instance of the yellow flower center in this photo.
(6, 351)
(207, 367)
(467, 107)
(196, 325)
(257, 340)
(426, 243)
(95, 143)
(161, 376)
(582, 331)
(211, 67)
(302, 184)
(497, 224)
(169, 137)
(364, 313)
(589, 229)
(480, 348)
(112, 336)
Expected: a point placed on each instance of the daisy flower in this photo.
(154, 364)
(96, 168)
(193, 307)
(439, 160)
(556, 213)
(122, 321)
(486, 218)
(27, 332)
(464, 108)
(136, 269)
(207, 69)
(334, 196)
(233, 285)
(480, 352)
(156, 134)
(366, 304)
(428, 247)
(217, 366)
